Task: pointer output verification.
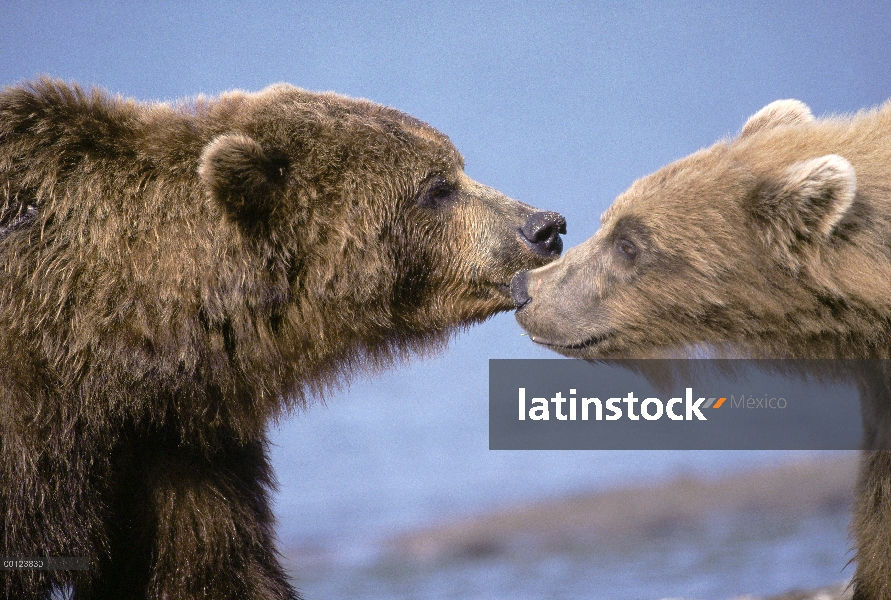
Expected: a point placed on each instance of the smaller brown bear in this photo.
(774, 244)
(172, 277)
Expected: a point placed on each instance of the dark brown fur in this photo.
(774, 244)
(172, 278)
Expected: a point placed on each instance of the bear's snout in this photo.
(542, 233)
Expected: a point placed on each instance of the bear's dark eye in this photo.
(626, 248)
(438, 192)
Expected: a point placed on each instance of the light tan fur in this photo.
(776, 243)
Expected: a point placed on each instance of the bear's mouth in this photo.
(501, 293)
(587, 344)
(488, 296)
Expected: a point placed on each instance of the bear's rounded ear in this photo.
(242, 177)
(805, 203)
(781, 112)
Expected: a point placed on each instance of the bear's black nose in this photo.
(519, 290)
(542, 232)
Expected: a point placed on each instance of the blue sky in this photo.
(558, 104)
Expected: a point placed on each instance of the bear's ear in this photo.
(805, 203)
(242, 177)
(781, 112)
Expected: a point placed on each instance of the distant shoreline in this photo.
(636, 540)
(635, 513)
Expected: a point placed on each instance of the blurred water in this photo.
(410, 447)
(721, 561)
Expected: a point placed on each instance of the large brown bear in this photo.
(173, 277)
(774, 244)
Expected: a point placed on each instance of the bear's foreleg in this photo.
(214, 536)
(194, 523)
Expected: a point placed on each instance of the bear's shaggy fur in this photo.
(172, 277)
(774, 244)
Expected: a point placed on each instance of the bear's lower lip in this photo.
(522, 306)
(584, 345)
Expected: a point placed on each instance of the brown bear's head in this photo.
(745, 246)
(370, 235)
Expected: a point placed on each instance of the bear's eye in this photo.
(437, 193)
(626, 248)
